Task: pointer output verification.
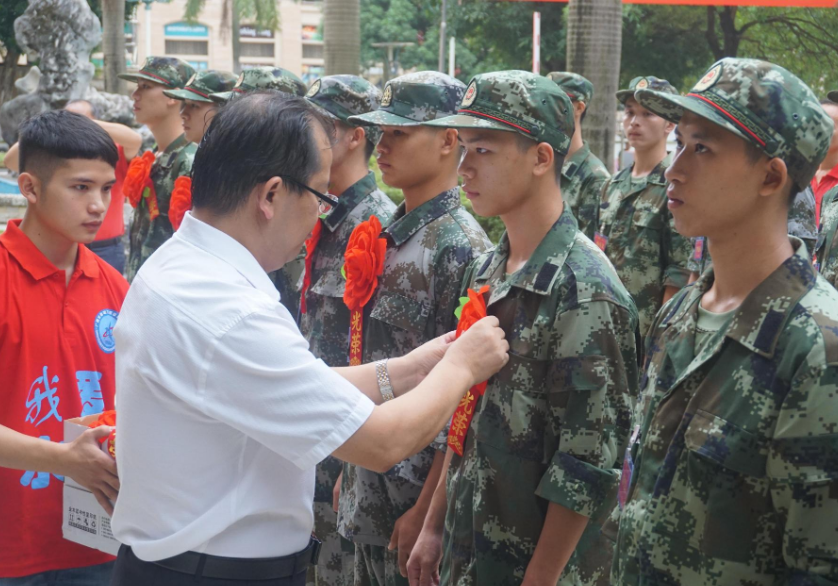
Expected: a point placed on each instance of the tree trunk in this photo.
(342, 36)
(113, 44)
(237, 44)
(594, 42)
(8, 76)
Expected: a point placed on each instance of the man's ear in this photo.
(579, 108)
(30, 187)
(358, 138)
(776, 177)
(450, 143)
(545, 158)
(269, 197)
(669, 127)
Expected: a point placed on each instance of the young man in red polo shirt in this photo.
(58, 305)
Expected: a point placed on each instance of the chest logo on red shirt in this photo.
(103, 329)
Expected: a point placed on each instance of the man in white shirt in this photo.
(223, 412)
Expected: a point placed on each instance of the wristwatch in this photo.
(384, 385)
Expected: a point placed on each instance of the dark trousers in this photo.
(112, 251)
(132, 571)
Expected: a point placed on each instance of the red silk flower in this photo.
(364, 263)
(181, 200)
(138, 177)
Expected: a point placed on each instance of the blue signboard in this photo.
(184, 29)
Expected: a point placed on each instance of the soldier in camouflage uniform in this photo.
(160, 113)
(583, 174)
(541, 460)
(827, 248)
(325, 323)
(197, 109)
(735, 480)
(801, 225)
(636, 230)
(289, 279)
(431, 241)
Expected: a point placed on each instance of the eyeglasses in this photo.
(325, 200)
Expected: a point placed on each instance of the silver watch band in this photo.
(383, 377)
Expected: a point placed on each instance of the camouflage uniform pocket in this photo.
(726, 488)
(401, 312)
(330, 284)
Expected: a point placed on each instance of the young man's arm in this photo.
(128, 139)
(12, 158)
(82, 460)
(559, 536)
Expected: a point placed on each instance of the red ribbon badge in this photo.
(473, 311)
(311, 246)
(138, 184)
(364, 263)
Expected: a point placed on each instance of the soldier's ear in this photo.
(776, 177)
(359, 138)
(450, 142)
(545, 158)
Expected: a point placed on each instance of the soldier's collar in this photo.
(405, 225)
(167, 157)
(759, 321)
(545, 264)
(656, 177)
(574, 162)
(349, 200)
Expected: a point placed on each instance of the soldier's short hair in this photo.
(271, 134)
(524, 144)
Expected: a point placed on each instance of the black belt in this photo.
(104, 243)
(224, 568)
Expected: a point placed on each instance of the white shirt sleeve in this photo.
(262, 380)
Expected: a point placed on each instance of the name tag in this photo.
(698, 248)
(600, 240)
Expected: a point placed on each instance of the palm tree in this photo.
(262, 13)
(342, 36)
(113, 44)
(594, 39)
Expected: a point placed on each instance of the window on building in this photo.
(186, 39)
(186, 47)
(312, 51)
(257, 49)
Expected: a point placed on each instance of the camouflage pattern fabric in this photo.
(168, 71)
(553, 424)
(376, 566)
(516, 101)
(263, 78)
(801, 225)
(827, 248)
(202, 84)
(645, 82)
(342, 96)
(413, 99)
(428, 251)
(289, 282)
(146, 234)
(761, 103)
(577, 88)
(326, 327)
(583, 178)
(735, 479)
(641, 240)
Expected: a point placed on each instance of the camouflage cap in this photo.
(202, 84)
(760, 102)
(516, 101)
(264, 78)
(414, 99)
(833, 96)
(342, 96)
(574, 85)
(642, 83)
(168, 71)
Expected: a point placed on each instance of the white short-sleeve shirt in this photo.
(222, 412)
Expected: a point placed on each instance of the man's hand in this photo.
(405, 534)
(336, 492)
(423, 565)
(86, 463)
(422, 360)
(482, 349)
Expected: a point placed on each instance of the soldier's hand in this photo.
(423, 565)
(336, 492)
(405, 533)
(482, 349)
(86, 463)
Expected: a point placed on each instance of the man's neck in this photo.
(347, 175)
(165, 131)
(417, 195)
(576, 141)
(646, 160)
(59, 251)
(527, 225)
(744, 259)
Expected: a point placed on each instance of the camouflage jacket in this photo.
(553, 424)
(641, 240)
(428, 252)
(827, 248)
(289, 282)
(736, 471)
(326, 323)
(583, 176)
(801, 225)
(146, 234)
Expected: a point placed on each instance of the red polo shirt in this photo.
(57, 362)
(826, 183)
